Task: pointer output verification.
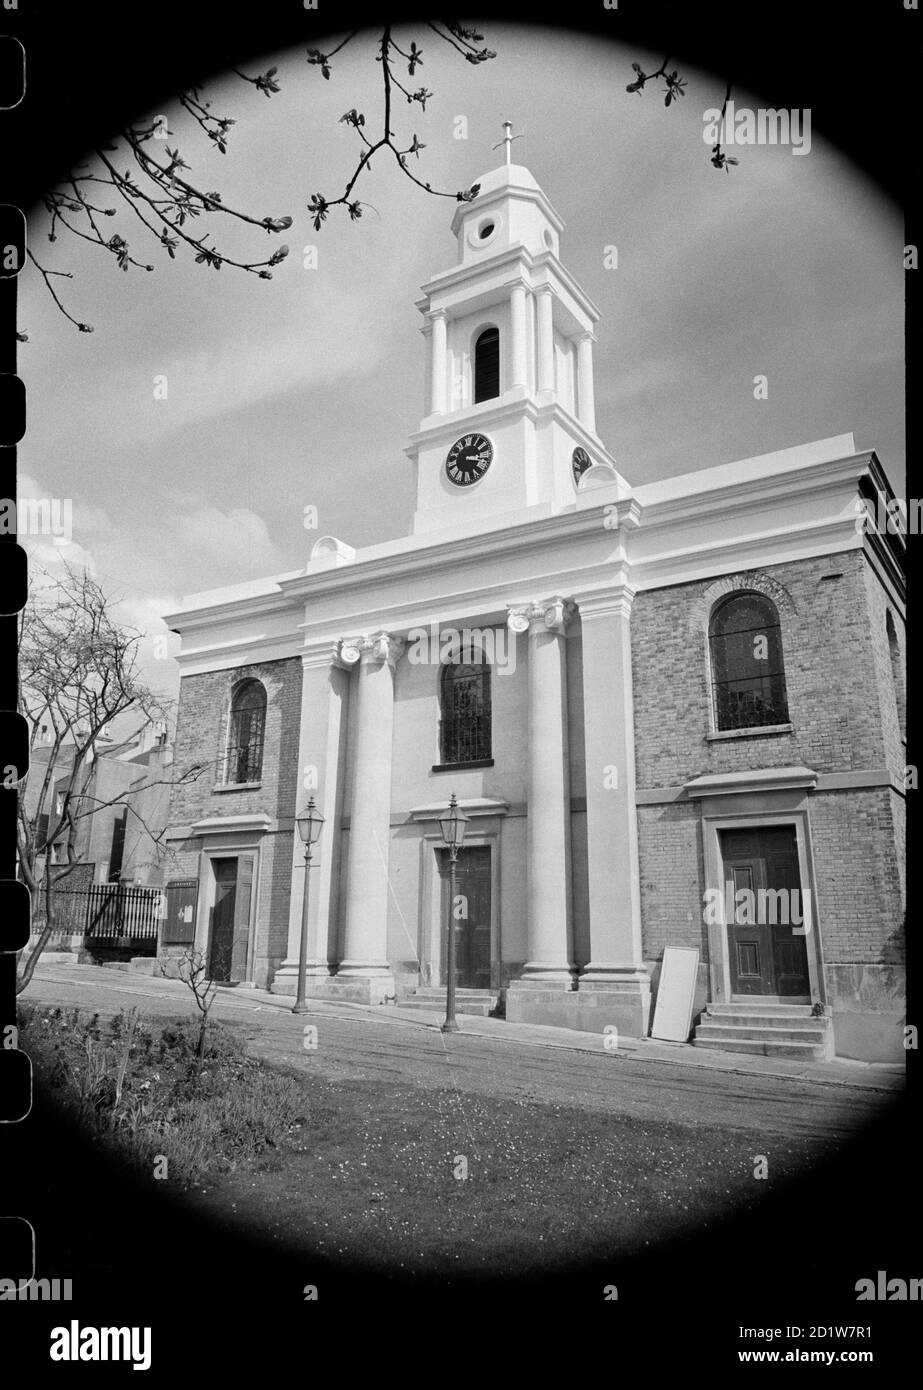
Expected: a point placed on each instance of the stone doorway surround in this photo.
(228, 837)
(743, 801)
(484, 830)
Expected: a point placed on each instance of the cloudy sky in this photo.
(302, 390)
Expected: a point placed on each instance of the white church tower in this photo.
(509, 420)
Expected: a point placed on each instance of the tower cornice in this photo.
(544, 269)
(505, 190)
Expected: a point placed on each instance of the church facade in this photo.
(673, 713)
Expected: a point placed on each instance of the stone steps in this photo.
(766, 1030)
(481, 1002)
(750, 1018)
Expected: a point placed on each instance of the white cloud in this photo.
(225, 542)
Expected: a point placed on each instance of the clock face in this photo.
(580, 462)
(468, 459)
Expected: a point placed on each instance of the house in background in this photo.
(655, 704)
(118, 837)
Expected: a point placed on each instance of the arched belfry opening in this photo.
(487, 365)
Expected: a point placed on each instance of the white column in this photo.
(545, 340)
(614, 889)
(586, 406)
(321, 758)
(518, 336)
(365, 931)
(548, 856)
(438, 340)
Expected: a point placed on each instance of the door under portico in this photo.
(470, 915)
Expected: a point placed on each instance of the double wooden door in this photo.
(766, 913)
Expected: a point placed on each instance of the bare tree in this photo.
(193, 971)
(78, 674)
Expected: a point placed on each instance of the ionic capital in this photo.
(549, 615)
(375, 649)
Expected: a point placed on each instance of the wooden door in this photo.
(765, 913)
(471, 916)
(221, 927)
(241, 946)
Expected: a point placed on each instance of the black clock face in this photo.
(468, 459)
(580, 462)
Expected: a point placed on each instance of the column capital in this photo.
(548, 615)
(434, 314)
(377, 649)
(544, 289)
(586, 336)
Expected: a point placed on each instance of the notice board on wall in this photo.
(675, 994)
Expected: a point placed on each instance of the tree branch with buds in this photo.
(390, 55)
(674, 88)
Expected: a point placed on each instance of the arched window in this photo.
(897, 673)
(245, 733)
(464, 729)
(487, 365)
(748, 674)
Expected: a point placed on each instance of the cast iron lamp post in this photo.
(310, 822)
(452, 825)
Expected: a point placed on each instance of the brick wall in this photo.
(672, 878)
(858, 893)
(833, 674)
(201, 735)
(843, 706)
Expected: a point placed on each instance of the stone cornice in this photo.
(491, 413)
(481, 416)
(459, 275)
(704, 551)
(692, 564)
(472, 806)
(257, 822)
(504, 192)
(255, 606)
(441, 553)
(239, 651)
(766, 779)
(861, 779)
(740, 493)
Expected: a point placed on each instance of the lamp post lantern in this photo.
(310, 822)
(452, 824)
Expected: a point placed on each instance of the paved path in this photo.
(527, 1062)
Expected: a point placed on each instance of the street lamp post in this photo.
(452, 825)
(310, 822)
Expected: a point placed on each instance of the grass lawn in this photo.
(413, 1178)
(376, 1177)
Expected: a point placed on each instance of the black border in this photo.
(240, 1306)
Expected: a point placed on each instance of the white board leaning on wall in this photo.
(675, 994)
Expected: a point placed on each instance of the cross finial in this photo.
(508, 138)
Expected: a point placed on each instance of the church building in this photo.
(672, 713)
